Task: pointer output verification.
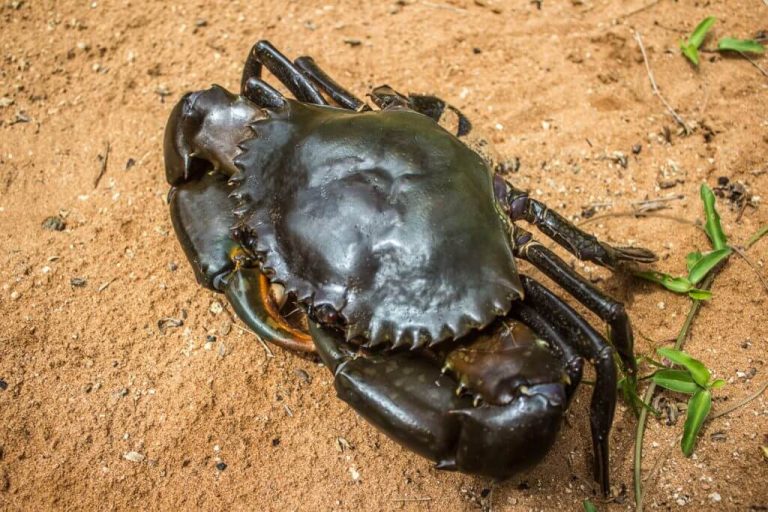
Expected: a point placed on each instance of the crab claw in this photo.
(201, 211)
(407, 396)
(203, 132)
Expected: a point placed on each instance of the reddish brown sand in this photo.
(91, 378)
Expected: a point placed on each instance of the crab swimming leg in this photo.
(201, 211)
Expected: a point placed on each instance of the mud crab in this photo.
(396, 243)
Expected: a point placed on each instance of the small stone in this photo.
(221, 466)
(133, 457)
(276, 441)
(715, 497)
(353, 42)
(54, 223)
(6, 102)
(15, 295)
(3, 385)
(303, 375)
(216, 307)
(354, 473)
(636, 149)
(78, 282)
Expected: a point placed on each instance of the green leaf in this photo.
(690, 52)
(739, 45)
(712, 227)
(588, 506)
(697, 294)
(717, 384)
(676, 380)
(675, 284)
(691, 259)
(628, 389)
(698, 409)
(707, 263)
(700, 32)
(699, 372)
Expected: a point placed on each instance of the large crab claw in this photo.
(201, 143)
(203, 131)
(409, 397)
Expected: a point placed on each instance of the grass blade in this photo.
(691, 259)
(699, 372)
(700, 32)
(739, 45)
(698, 409)
(712, 227)
(699, 294)
(588, 506)
(707, 263)
(675, 284)
(676, 380)
(757, 236)
(690, 52)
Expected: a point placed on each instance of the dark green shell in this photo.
(384, 216)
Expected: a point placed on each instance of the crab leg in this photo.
(592, 346)
(263, 53)
(608, 309)
(338, 93)
(201, 211)
(581, 244)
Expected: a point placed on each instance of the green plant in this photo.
(589, 506)
(698, 264)
(690, 47)
(693, 379)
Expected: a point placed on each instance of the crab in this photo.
(386, 242)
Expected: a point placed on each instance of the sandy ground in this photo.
(88, 376)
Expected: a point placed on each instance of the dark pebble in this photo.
(276, 441)
(637, 148)
(723, 181)
(3, 385)
(54, 223)
(221, 466)
(130, 163)
(78, 282)
(485, 492)
(477, 51)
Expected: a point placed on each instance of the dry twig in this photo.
(102, 167)
(655, 87)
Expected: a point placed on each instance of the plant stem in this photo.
(648, 397)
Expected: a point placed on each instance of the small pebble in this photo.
(133, 456)
(3, 385)
(221, 466)
(715, 497)
(78, 282)
(216, 307)
(54, 223)
(15, 295)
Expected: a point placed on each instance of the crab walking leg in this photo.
(264, 54)
(609, 310)
(579, 243)
(201, 211)
(574, 363)
(406, 396)
(337, 93)
(596, 349)
(262, 94)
